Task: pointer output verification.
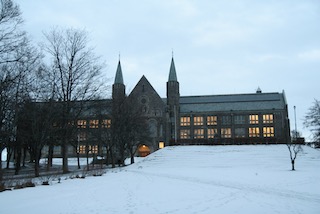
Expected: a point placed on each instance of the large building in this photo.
(255, 118)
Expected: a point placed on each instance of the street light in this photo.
(295, 122)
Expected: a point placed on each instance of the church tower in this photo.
(118, 88)
(173, 97)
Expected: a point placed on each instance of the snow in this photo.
(186, 179)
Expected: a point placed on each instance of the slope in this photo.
(187, 179)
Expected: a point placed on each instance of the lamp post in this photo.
(295, 123)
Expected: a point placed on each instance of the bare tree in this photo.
(75, 71)
(17, 59)
(11, 35)
(129, 130)
(312, 121)
(35, 128)
(294, 149)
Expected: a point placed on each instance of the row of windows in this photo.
(227, 133)
(82, 149)
(226, 119)
(94, 124)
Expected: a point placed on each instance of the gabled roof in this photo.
(144, 88)
(119, 78)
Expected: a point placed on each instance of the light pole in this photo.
(295, 122)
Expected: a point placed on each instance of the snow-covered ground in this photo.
(186, 179)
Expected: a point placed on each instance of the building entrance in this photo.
(143, 151)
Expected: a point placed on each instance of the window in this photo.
(198, 133)
(226, 120)
(198, 121)
(254, 119)
(94, 124)
(106, 123)
(239, 119)
(267, 118)
(212, 133)
(240, 132)
(82, 124)
(93, 149)
(185, 134)
(211, 120)
(161, 145)
(254, 132)
(226, 132)
(185, 121)
(82, 136)
(81, 149)
(268, 132)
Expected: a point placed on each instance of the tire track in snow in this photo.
(264, 190)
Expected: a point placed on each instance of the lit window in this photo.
(226, 132)
(239, 119)
(226, 120)
(185, 134)
(185, 121)
(268, 118)
(94, 124)
(211, 120)
(198, 121)
(81, 149)
(82, 124)
(240, 132)
(254, 119)
(268, 132)
(93, 149)
(254, 132)
(212, 133)
(161, 145)
(198, 133)
(106, 123)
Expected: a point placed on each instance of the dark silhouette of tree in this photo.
(76, 74)
(312, 121)
(129, 130)
(36, 128)
(17, 59)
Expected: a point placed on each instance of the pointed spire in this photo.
(118, 79)
(172, 74)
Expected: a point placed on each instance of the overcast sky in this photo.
(219, 46)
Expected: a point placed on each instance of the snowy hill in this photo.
(187, 179)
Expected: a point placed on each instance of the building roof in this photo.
(119, 78)
(172, 73)
(233, 102)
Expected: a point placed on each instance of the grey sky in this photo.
(220, 47)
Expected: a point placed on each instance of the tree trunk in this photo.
(112, 159)
(17, 161)
(65, 168)
(78, 160)
(50, 157)
(1, 170)
(292, 163)
(9, 155)
(24, 156)
(36, 165)
(87, 158)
